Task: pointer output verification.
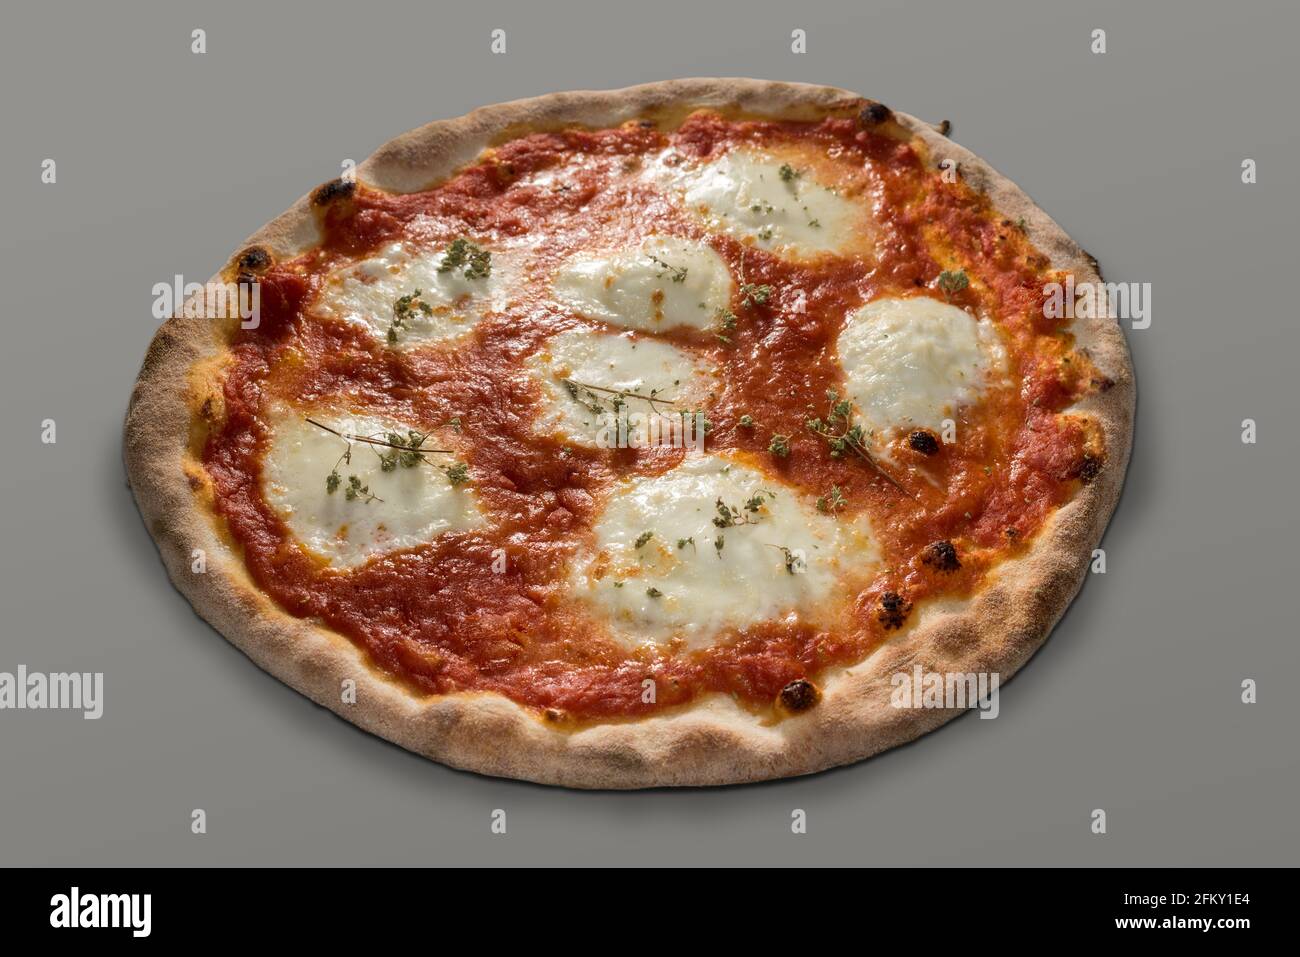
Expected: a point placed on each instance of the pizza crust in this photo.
(712, 741)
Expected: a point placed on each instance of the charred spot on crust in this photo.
(894, 609)
(941, 556)
(335, 189)
(1088, 468)
(250, 262)
(1103, 383)
(799, 695)
(553, 715)
(646, 124)
(923, 441)
(874, 114)
(254, 259)
(945, 127)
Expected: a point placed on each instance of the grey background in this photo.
(166, 160)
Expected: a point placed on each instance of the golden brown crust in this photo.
(713, 741)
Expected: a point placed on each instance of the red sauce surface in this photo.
(438, 617)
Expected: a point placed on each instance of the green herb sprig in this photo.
(404, 310)
(952, 282)
(402, 452)
(593, 397)
(473, 261)
(843, 435)
(675, 273)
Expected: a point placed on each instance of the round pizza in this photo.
(646, 437)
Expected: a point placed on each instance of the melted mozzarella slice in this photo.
(413, 505)
(676, 586)
(366, 293)
(664, 282)
(573, 361)
(763, 198)
(910, 363)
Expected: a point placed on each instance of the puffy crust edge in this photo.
(713, 741)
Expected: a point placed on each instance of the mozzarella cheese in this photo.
(365, 293)
(744, 193)
(413, 505)
(584, 358)
(664, 282)
(909, 363)
(676, 586)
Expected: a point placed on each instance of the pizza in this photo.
(642, 437)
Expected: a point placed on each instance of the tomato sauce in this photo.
(439, 618)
